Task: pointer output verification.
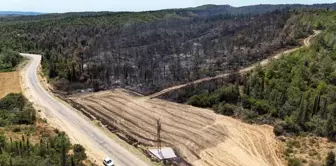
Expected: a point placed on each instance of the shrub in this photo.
(261, 107)
(278, 130)
(16, 110)
(330, 160)
(229, 94)
(60, 141)
(294, 162)
(79, 153)
(12, 101)
(9, 59)
(294, 143)
(226, 109)
(16, 129)
(199, 100)
(290, 126)
(246, 102)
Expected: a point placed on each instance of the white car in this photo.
(108, 162)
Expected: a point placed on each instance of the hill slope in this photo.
(295, 93)
(18, 13)
(260, 9)
(148, 51)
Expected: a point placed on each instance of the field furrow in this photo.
(198, 135)
(166, 112)
(168, 120)
(171, 129)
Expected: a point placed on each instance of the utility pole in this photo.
(158, 135)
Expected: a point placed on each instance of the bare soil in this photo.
(199, 135)
(9, 83)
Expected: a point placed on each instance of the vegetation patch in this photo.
(9, 60)
(308, 150)
(27, 140)
(296, 93)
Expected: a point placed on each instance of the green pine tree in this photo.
(10, 162)
(72, 161)
(330, 160)
(63, 156)
(330, 128)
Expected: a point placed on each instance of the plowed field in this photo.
(199, 135)
(9, 83)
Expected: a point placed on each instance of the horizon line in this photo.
(83, 11)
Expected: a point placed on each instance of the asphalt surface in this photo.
(68, 119)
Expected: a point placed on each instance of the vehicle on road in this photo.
(108, 162)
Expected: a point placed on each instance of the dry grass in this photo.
(9, 83)
(310, 150)
(32, 132)
(199, 135)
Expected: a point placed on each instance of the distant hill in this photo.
(204, 10)
(18, 13)
(210, 9)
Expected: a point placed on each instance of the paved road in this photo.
(67, 119)
(306, 43)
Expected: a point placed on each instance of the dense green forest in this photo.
(147, 51)
(18, 116)
(296, 93)
(9, 60)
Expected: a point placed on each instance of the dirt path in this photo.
(306, 43)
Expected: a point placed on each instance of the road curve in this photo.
(306, 43)
(67, 119)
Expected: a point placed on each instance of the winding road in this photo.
(306, 43)
(67, 119)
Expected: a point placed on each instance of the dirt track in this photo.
(306, 43)
(200, 136)
(9, 83)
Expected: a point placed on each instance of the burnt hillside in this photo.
(148, 51)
